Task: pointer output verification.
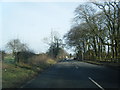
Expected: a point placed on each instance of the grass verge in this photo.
(13, 76)
(107, 64)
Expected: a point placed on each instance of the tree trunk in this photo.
(95, 47)
(113, 52)
(116, 50)
(108, 52)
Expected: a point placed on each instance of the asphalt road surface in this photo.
(76, 74)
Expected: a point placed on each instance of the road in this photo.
(76, 74)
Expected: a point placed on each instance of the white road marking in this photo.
(96, 83)
(74, 64)
(76, 67)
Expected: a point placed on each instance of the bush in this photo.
(41, 60)
(23, 56)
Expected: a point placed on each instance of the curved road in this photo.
(76, 74)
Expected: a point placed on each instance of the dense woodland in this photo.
(95, 33)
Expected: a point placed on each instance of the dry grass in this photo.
(41, 60)
(50, 61)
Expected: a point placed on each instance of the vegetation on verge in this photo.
(16, 74)
(22, 64)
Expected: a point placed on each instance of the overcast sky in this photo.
(32, 21)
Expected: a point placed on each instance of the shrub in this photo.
(41, 60)
(23, 56)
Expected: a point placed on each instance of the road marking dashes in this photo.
(76, 67)
(96, 83)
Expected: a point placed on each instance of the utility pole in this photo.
(52, 37)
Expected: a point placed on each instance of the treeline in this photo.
(21, 64)
(95, 34)
(18, 50)
(21, 53)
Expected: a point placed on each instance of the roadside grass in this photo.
(92, 62)
(107, 63)
(15, 75)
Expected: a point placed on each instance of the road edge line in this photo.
(96, 83)
(27, 83)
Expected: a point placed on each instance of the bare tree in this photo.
(96, 32)
(111, 11)
(55, 44)
(16, 46)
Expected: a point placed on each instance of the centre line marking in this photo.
(96, 83)
(76, 67)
